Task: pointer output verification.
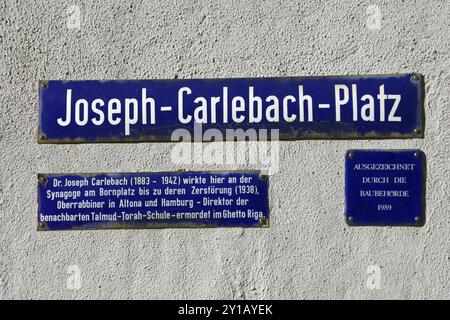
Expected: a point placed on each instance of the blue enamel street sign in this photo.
(336, 107)
(385, 187)
(152, 200)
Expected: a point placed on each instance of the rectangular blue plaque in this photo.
(152, 200)
(333, 107)
(385, 187)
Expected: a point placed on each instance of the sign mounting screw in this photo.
(415, 77)
(417, 219)
(417, 131)
(43, 84)
(42, 137)
(350, 219)
(416, 154)
(42, 180)
(41, 225)
(351, 155)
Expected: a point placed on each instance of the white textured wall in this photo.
(308, 252)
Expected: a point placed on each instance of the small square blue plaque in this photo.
(385, 187)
